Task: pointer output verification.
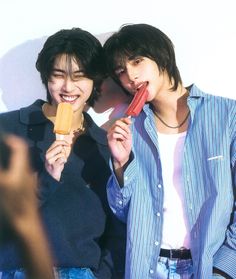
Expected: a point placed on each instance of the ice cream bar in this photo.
(64, 118)
(138, 101)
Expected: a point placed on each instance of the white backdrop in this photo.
(203, 32)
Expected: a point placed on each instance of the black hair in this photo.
(77, 44)
(135, 40)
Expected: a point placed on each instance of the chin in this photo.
(76, 107)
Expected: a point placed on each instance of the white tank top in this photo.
(175, 233)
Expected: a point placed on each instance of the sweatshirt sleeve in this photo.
(47, 186)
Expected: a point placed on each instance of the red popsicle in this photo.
(138, 101)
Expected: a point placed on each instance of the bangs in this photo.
(120, 59)
(123, 50)
(70, 58)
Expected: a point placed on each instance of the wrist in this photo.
(119, 164)
(122, 164)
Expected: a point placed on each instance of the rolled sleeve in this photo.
(225, 260)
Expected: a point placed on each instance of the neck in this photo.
(171, 111)
(49, 112)
(170, 102)
(78, 121)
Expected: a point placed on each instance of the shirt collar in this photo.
(195, 92)
(33, 115)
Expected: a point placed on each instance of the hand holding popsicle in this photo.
(56, 155)
(55, 158)
(119, 135)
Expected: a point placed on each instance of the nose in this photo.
(132, 74)
(68, 85)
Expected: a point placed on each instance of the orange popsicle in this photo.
(64, 118)
(138, 101)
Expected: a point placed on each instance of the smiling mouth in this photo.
(69, 99)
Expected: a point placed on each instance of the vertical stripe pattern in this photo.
(209, 175)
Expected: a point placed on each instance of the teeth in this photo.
(141, 85)
(69, 98)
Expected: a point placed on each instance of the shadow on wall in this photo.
(19, 80)
(20, 83)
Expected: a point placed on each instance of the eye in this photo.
(78, 75)
(57, 75)
(137, 60)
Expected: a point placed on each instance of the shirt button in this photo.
(158, 214)
(151, 271)
(156, 243)
(159, 186)
(120, 202)
(126, 178)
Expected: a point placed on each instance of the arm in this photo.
(47, 186)
(119, 188)
(55, 158)
(18, 203)
(228, 250)
(49, 178)
(120, 141)
(119, 197)
(113, 249)
(123, 179)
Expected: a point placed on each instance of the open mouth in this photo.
(141, 86)
(69, 99)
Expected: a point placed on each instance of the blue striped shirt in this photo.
(209, 179)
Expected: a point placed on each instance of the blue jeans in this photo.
(74, 273)
(60, 273)
(177, 269)
(174, 268)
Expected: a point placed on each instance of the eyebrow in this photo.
(64, 72)
(132, 57)
(58, 70)
(129, 58)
